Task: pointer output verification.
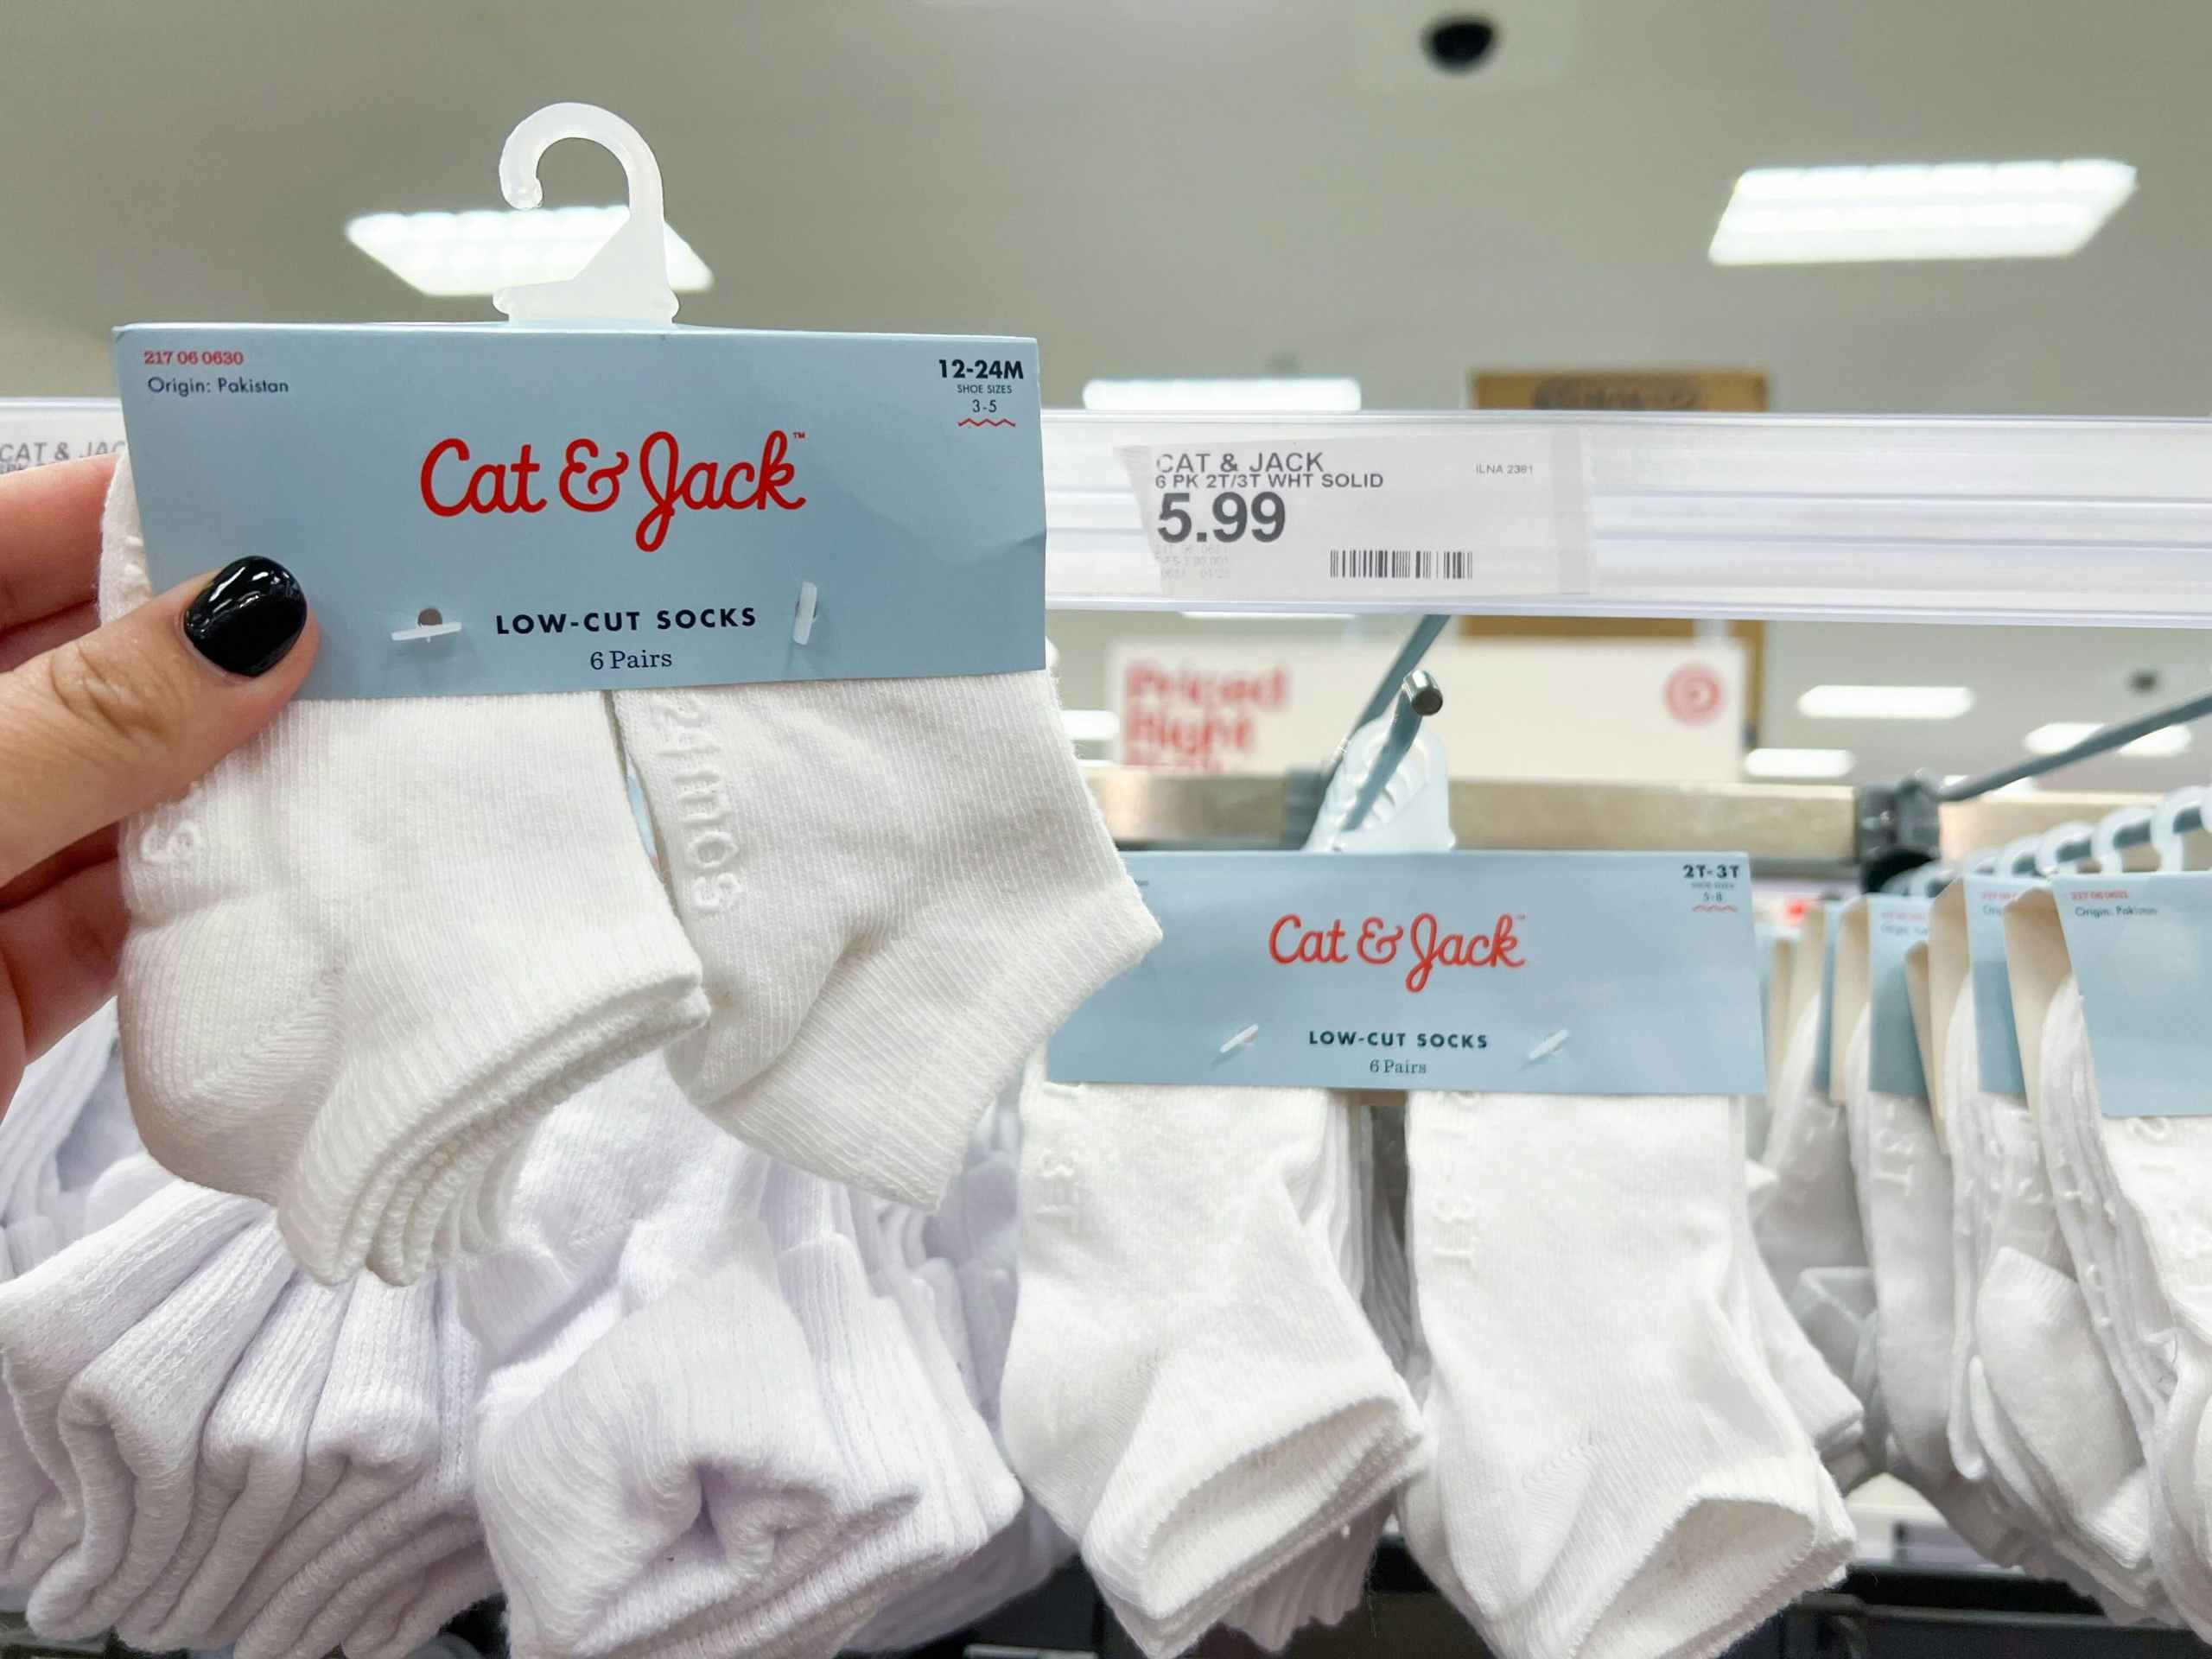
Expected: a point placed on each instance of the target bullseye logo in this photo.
(1693, 694)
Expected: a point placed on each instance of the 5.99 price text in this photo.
(1233, 515)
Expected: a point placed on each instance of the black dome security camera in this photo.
(1459, 43)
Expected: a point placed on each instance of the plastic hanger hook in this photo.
(2174, 817)
(2065, 846)
(2130, 826)
(626, 281)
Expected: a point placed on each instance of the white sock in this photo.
(253, 1453)
(626, 1166)
(376, 1432)
(662, 1463)
(790, 1529)
(452, 926)
(984, 1498)
(38, 1120)
(1808, 1218)
(1167, 1267)
(1323, 1586)
(2148, 1173)
(1329, 1581)
(977, 1229)
(57, 1319)
(131, 1421)
(103, 1138)
(932, 1511)
(1326, 1581)
(2051, 1383)
(976, 1234)
(1617, 1473)
(1973, 1195)
(1905, 1195)
(372, 1576)
(633, 1217)
(1017, 1559)
(2121, 1293)
(899, 887)
(1826, 1409)
(2059, 1418)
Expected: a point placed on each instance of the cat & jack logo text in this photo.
(454, 482)
(1424, 945)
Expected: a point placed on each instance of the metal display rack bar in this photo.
(1837, 516)
(1821, 830)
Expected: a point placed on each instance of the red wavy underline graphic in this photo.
(998, 420)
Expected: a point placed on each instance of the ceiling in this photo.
(1235, 187)
(1146, 186)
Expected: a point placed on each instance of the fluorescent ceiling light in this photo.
(1799, 763)
(487, 248)
(2174, 739)
(2050, 738)
(1885, 702)
(1091, 725)
(1963, 210)
(1298, 394)
(2065, 733)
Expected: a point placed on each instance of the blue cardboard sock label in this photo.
(502, 509)
(1546, 972)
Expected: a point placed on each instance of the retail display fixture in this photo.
(1858, 518)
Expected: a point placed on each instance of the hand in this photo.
(97, 723)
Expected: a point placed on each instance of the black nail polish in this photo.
(247, 618)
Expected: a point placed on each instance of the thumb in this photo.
(133, 714)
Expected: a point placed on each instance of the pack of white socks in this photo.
(747, 1423)
(1177, 1254)
(1617, 1470)
(2017, 1336)
(890, 892)
(2130, 1191)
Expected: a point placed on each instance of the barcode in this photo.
(1399, 565)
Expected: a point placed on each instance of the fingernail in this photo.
(248, 618)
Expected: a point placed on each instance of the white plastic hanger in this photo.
(2128, 826)
(2018, 857)
(626, 281)
(2063, 847)
(1921, 881)
(1413, 811)
(2173, 818)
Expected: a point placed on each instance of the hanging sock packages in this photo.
(1168, 1266)
(1617, 1471)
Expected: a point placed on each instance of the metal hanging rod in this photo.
(1417, 699)
(2102, 741)
(1306, 801)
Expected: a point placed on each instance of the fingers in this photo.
(131, 714)
(49, 557)
(95, 848)
(57, 956)
(19, 645)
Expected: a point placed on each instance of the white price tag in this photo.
(1501, 512)
(35, 432)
